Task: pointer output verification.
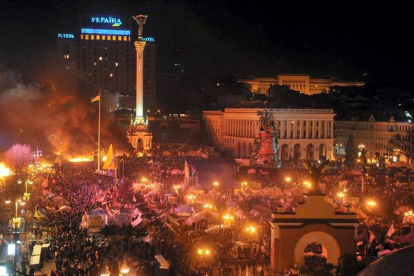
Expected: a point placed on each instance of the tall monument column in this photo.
(140, 47)
(138, 133)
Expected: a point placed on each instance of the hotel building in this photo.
(301, 133)
(103, 51)
(302, 83)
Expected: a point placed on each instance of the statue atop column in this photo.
(265, 153)
(141, 20)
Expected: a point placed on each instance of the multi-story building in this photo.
(374, 136)
(301, 133)
(103, 51)
(302, 83)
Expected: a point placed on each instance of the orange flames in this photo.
(80, 159)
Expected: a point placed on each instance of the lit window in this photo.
(98, 37)
(114, 38)
(129, 38)
(100, 58)
(92, 37)
(81, 36)
(116, 64)
(119, 38)
(87, 37)
(95, 64)
(125, 38)
(104, 37)
(111, 75)
(66, 56)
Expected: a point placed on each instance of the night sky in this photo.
(338, 39)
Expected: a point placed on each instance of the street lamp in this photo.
(307, 184)
(191, 198)
(288, 179)
(208, 206)
(251, 229)
(216, 184)
(26, 195)
(244, 185)
(227, 220)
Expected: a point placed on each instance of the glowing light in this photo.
(288, 179)
(208, 206)
(340, 195)
(216, 184)
(81, 159)
(251, 229)
(371, 203)
(8, 201)
(66, 36)
(4, 171)
(307, 184)
(203, 252)
(409, 213)
(116, 22)
(105, 32)
(177, 188)
(144, 179)
(104, 158)
(191, 198)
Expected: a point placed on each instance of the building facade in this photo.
(302, 83)
(301, 133)
(374, 136)
(103, 51)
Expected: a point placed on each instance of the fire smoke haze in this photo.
(55, 102)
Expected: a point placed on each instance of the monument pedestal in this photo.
(139, 137)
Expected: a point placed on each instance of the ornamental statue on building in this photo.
(265, 152)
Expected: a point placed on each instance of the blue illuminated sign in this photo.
(105, 32)
(116, 22)
(68, 36)
(148, 39)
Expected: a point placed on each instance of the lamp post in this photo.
(15, 221)
(26, 195)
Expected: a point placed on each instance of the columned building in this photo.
(301, 133)
(298, 82)
(374, 135)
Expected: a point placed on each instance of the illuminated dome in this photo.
(398, 263)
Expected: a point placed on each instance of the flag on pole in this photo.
(96, 98)
(391, 231)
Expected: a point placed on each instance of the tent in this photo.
(211, 217)
(399, 262)
(407, 239)
(187, 209)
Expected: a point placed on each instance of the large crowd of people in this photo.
(163, 221)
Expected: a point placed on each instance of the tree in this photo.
(315, 171)
(18, 157)
(351, 152)
(404, 143)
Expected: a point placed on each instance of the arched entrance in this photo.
(284, 155)
(309, 152)
(322, 152)
(333, 252)
(296, 153)
(140, 145)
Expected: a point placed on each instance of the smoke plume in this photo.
(55, 103)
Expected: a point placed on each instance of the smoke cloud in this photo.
(55, 102)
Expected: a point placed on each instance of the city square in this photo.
(142, 138)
